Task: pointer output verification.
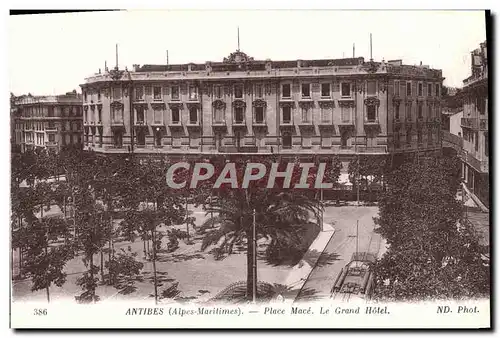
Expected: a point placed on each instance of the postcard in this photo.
(250, 169)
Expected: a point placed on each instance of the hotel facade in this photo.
(474, 123)
(50, 122)
(346, 107)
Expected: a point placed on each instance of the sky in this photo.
(54, 53)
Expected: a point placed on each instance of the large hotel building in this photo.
(50, 122)
(475, 125)
(244, 106)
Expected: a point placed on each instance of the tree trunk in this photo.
(102, 265)
(154, 269)
(110, 243)
(92, 276)
(187, 215)
(250, 258)
(145, 252)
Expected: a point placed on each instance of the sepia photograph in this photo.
(249, 169)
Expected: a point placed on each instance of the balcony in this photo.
(51, 129)
(51, 143)
(175, 125)
(140, 124)
(259, 124)
(193, 124)
(219, 124)
(470, 123)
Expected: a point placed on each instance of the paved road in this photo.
(342, 245)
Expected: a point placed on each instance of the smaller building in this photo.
(51, 122)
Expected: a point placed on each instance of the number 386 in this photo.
(40, 312)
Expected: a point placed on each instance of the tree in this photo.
(279, 213)
(125, 269)
(150, 203)
(432, 253)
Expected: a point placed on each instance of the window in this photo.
(158, 138)
(429, 89)
(408, 88)
(437, 89)
(346, 89)
(238, 91)
(287, 140)
(408, 137)
(85, 96)
(175, 92)
(397, 141)
(286, 90)
(156, 93)
(139, 93)
(371, 113)
(117, 93)
(371, 87)
(118, 139)
(239, 115)
(287, 115)
(218, 115)
(141, 138)
(116, 115)
(50, 112)
(99, 115)
(193, 93)
(259, 114)
(486, 145)
(325, 90)
(258, 90)
(420, 89)
(158, 116)
(52, 125)
(140, 116)
(396, 111)
(305, 115)
(429, 136)
(408, 112)
(193, 115)
(420, 115)
(343, 139)
(419, 136)
(306, 90)
(481, 105)
(476, 143)
(396, 88)
(175, 115)
(52, 138)
(218, 91)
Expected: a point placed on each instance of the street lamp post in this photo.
(254, 267)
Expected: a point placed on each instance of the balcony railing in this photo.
(467, 122)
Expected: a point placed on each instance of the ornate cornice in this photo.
(116, 74)
(306, 104)
(239, 104)
(346, 103)
(396, 100)
(219, 104)
(175, 105)
(259, 103)
(116, 104)
(158, 105)
(193, 104)
(290, 104)
(140, 105)
(372, 101)
(238, 57)
(370, 67)
(326, 104)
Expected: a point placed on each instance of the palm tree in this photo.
(279, 214)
